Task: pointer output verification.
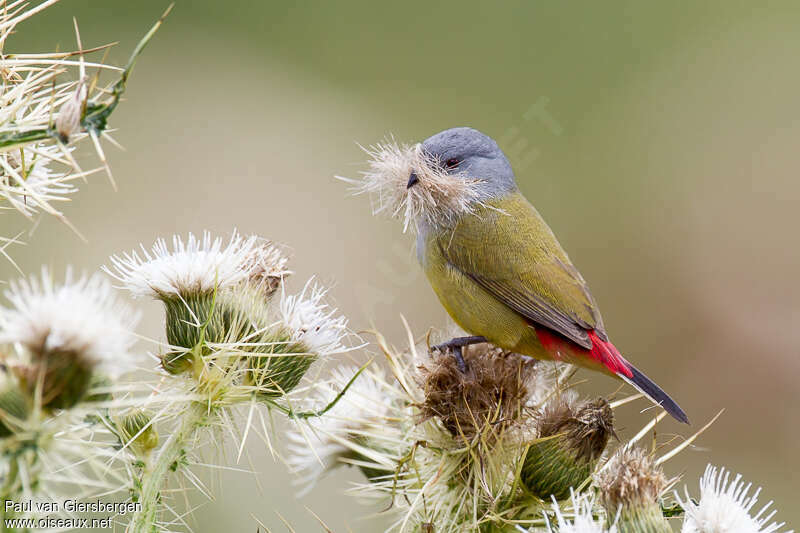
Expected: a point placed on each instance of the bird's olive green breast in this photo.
(471, 306)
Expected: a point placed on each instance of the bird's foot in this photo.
(455, 345)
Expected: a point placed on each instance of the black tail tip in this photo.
(647, 387)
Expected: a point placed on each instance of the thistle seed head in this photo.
(494, 391)
(571, 438)
(630, 488)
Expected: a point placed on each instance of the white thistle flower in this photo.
(725, 506)
(196, 265)
(80, 316)
(312, 322)
(583, 519)
(360, 413)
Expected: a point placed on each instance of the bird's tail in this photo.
(609, 356)
(655, 393)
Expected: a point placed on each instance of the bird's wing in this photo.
(509, 250)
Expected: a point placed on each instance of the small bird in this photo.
(494, 263)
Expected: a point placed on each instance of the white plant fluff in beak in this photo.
(439, 198)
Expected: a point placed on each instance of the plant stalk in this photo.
(154, 478)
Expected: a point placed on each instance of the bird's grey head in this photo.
(467, 153)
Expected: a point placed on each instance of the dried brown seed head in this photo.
(632, 480)
(493, 391)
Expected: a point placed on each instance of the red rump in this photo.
(602, 351)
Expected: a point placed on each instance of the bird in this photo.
(497, 267)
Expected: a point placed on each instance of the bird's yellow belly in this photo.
(478, 312)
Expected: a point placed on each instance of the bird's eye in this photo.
(452, 163)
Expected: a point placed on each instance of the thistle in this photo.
(58, 339)
(14, 406)
(63, 334)
(231, 339)
(583, 516)
(137, 431)
(494, 392)
(571, 437)
(630, 489)
(308, 329)
(725, 506)
(188, 278)
(354, 432)
(48, 103)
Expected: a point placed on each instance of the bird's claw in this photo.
(455, 346)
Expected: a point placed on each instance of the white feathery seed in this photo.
(439, 198)
(266, 265)
(82, 315)
(725, 506)
(191, 266)
(312, 322)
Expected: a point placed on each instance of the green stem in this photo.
(155, 477)
(7, 492)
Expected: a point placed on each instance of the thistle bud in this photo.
(308, 330)
(571, 440)
(69, 116)
(177, 361)
(13, 407)
(630, 488)
(278, 365)
(137, 432)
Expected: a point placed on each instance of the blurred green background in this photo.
(658, 139)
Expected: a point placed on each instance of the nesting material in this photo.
(439, 198)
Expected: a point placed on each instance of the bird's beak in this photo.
(413, 179)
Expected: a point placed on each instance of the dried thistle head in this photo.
(266, 267)
(439, 197)
(493, 392)
(571, 438)
(585, 426)
(632, 479)
(630, 489)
